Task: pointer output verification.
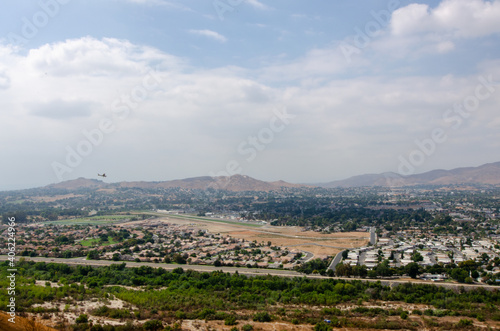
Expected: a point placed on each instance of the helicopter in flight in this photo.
(103, 175)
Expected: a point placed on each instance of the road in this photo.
(336, 260)
(251, 272)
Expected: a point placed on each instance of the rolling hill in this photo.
(235, 183)
(487, 174)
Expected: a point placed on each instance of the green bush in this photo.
(153, 325)
(82, 319)
(323, 326)
(230, 320)
(464, 323)
(180, 314)
(247, 327)
(429, 312)
(262, 317)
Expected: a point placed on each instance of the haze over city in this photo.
(300, 91)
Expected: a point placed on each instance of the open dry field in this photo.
(316, 243)
(22, 324)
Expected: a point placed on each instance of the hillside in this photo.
(487, 174)
(236, 183)
(22, 324)
(77, 184)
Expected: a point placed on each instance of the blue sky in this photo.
(301, 91)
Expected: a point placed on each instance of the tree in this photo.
(93, 255)
(360, 270)
(459, 275)
(417, 257)
(382, 269)
(179, 259)
(412, 269)
(343, 270)
(103, 237)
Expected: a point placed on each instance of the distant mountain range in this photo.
(488, 174)
(235, 183)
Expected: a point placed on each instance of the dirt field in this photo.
(55, 197)
(21, 324)
(199, 325)
(292, 237)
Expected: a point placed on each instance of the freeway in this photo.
(252, 272)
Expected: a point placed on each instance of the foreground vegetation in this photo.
(170, 297)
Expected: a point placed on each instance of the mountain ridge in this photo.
(235, 183)
(486, 174)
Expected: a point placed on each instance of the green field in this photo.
(94, 220)
(206, 219)
(96, 242)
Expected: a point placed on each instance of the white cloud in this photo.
(159, 3)
(192, 122)
(453, 18)
(89, 56)
(257, 4)
(210, 34)
(418, 29)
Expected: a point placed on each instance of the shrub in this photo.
(247, 327)
(230, 320)
(404, 315)
(322, 326)
(153, 325)
(82, 319)
(180, 314)
(262, 317)
(464, 323)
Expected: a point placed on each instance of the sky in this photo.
(302, 91)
